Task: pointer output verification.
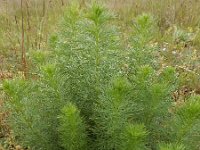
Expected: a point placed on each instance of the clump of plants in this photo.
(93, 93)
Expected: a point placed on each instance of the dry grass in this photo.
(40, 18)
(181, 12)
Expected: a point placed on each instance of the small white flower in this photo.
(174, 52)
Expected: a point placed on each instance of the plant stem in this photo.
(24, 63)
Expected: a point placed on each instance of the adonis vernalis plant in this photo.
(94, 93)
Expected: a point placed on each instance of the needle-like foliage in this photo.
(172, 147)
(72, 129)
(93, 93)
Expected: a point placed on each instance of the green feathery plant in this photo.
(151, 94)
(34, 107)
(87, 54)
(83, 98)
(142, 48)
(113, 119)
(85, 59)
(145, 29)
(172, 147)
(134, 137)
(186, 123)
(72, 130)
